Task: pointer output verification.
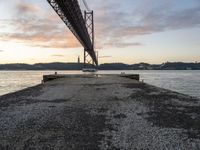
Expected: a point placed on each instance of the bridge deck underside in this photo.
(70, 12)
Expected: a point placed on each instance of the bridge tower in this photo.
(89, 22)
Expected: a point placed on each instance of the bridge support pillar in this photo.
(87, 59)
(89, 22)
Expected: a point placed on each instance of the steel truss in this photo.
(89, 22)
(70, 13)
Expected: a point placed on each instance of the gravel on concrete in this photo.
(105, 112)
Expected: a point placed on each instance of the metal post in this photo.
(84, 48)
(84, 65)
(92, 14)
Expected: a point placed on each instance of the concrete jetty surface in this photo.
(105, 112)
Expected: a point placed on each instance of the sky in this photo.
(130, 31)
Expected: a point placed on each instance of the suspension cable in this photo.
(86, 5)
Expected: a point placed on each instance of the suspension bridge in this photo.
(80, 24)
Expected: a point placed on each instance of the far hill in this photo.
(107, 66)
(115, 66)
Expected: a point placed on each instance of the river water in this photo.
(186, 82)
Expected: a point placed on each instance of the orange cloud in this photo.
(46, 31)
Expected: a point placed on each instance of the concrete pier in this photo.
(98, 112)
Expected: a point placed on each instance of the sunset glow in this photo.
(152, 31)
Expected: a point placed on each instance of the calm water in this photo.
(186, 82)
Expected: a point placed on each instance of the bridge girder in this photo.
(70, 13)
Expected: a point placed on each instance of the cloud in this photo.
(121, 43)
(26, 7)
(115, 25)
(1, 51)
(30, 26)
(57, 55)
(115, 22)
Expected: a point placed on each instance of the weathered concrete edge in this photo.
(47, 78)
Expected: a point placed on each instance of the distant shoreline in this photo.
(100, 70)
(107, 66)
